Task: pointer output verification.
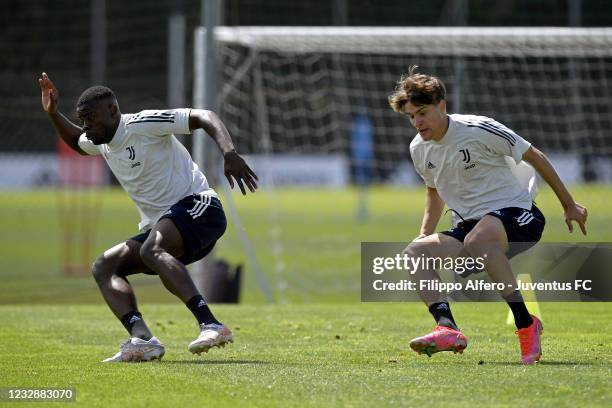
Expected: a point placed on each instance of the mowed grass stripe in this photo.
(312, 355)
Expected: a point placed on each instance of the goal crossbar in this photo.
(450, 41)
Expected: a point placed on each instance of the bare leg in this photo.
(110, 271)
(160, 251)
(435, 245)
(446, 336)
(489, 238)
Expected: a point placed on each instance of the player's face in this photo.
(429, 120)
(98, 122)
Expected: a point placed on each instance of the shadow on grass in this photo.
(214, 362)
(541, 363)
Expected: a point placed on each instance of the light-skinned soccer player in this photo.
(463, 162)
(181, 215)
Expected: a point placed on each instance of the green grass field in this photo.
(307, 241)
(311, 355)
(317, 344)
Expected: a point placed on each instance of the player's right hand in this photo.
(49, 94)
(236, 167)
(578, 213)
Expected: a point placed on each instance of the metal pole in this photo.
(340, 13)
(575, 13)
(459, 18)
(205, 153)
(574, 19)
(198, 94)
(98, 42)
(176, 56)
(264, 130)
(211, 19)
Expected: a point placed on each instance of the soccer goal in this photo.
(304, 90)
(316, 97)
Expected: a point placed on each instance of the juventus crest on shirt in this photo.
(468, 166)
(152, 166)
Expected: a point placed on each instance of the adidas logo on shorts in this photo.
(525, 218)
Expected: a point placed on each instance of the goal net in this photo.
(304, 89)
(293, 95)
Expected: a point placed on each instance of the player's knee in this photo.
(101, 269)
(470, 243)
(415, 250)
(477, 243)
(150, 252)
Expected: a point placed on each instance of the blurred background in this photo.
(302, 87)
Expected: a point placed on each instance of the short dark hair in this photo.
(91, 96)
(418, 89)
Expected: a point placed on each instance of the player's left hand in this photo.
(578, 213)
(49, 94)
(236, 167)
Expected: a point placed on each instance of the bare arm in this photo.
(234, 165)
(433, 211)
(68, 131)
(573, 211)
(211, 124)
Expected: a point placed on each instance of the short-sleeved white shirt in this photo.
(152, 166)
(468, 166)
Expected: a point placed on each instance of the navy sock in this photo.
(136, 326)
(442, 313)
(200, 310)
(522, 318)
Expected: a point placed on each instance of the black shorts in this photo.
(201, 222)
(523, 227)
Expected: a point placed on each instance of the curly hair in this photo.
(91, 96)
(418, 89)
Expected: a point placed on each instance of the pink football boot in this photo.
(529, 338)
(441, 339)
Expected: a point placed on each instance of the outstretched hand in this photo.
(236, 167)
(49, 93)
(578, 213)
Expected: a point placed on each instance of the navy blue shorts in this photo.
(523, 227)
(201, 222)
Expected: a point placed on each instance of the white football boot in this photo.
(211, 335)
(136, 350)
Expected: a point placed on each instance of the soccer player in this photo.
(462, 160)
(181, 216)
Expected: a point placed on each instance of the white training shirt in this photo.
(469, 169)
(152, 166)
